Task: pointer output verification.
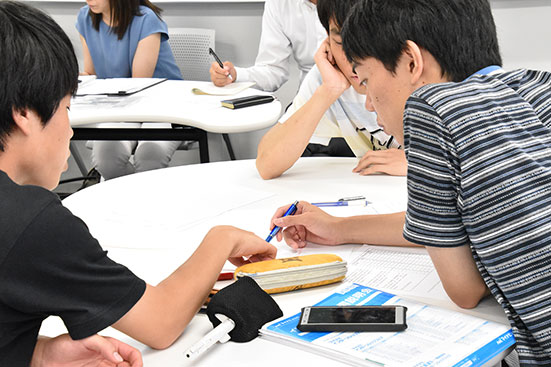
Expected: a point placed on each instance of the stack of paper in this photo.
(435, 336)
(286, 274)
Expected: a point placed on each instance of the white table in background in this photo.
(170, 102)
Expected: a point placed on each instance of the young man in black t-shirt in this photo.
(49, 262)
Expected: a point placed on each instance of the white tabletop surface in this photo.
(153, 221)
(173, 102)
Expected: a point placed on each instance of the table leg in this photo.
(228, 146)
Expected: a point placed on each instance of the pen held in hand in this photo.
(292, 209)
(211, 51)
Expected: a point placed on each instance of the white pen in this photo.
(218, 334)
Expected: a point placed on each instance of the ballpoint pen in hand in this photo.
(211, 51)
(292, 209)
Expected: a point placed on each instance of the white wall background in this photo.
(523, 29)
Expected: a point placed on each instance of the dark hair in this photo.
(38, 66)
(334, 9)
(122, 12)
(459, 34)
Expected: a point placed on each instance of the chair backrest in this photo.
(190, 47)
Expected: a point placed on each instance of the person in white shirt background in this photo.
(327, 116)
(290, 28)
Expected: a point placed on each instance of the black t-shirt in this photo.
(51, 265)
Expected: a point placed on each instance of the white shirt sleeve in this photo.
(290, 29)
(274, 51)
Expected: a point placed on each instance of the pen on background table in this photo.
(348, 201)
(292, 209)
(343, 203)
(211, 51)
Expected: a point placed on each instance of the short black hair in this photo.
(38, 66)
(459, 34)
(334, 9)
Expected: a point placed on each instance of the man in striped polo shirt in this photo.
(477, 141)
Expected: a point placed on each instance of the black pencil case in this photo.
(246, 101)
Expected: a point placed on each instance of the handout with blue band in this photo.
(435, 336)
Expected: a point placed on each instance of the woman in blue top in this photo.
(127, 39)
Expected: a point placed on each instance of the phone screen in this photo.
(353, 318)
(343, 315)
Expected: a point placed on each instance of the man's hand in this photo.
(308, 224)
(333, 79)
(221, 77)
(390, 161)
(246, 246)
(94, 351)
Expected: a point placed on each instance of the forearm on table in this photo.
(459, 274)
(165, 310)
(380, 229)
(455, 266)
(283, 145)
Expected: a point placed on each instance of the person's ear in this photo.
(24, 119)
(415, 61)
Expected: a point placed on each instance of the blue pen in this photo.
(348, 201)
(343, 203)
(292, 209)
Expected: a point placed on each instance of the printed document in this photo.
(403, 271)
(434, 337)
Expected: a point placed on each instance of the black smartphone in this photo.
(353, 318)
(246, 101)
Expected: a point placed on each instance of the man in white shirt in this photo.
(289, 28)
